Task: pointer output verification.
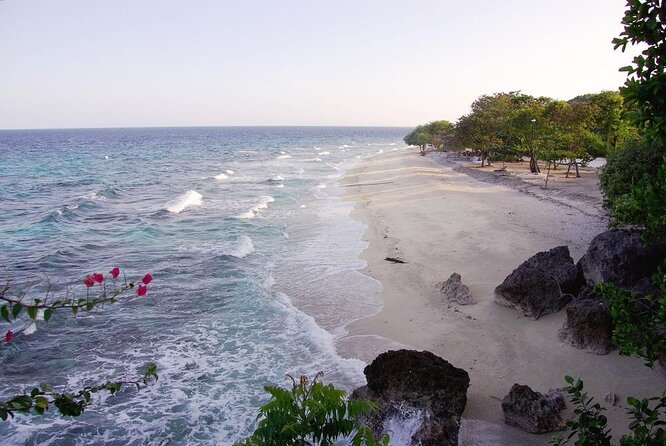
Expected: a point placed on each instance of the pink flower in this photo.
(89, 281)
(141, 290)
(115, 272)
(8, 336)
(147, 278)
(99, 277)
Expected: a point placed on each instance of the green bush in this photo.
(645, 204)
(589, 425)
(639, 322)
(626, 167)
(311, 414)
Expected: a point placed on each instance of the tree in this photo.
(645, 88)
(429, 134)
(610, 119)
(486, 128)
(642, 202)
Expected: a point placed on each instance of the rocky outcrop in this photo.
(456, 291)
(542, 284)
(408, 383)
(620, 257)
(532, 411)
(589, 325)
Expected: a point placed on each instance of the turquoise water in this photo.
(254, 258)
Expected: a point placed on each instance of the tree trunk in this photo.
(577, 173)
(534, 167)
(569, 169)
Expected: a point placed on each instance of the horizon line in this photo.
(199, 126)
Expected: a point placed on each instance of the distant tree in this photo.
(429, 134)
(487, 128)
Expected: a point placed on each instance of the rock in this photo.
(419, 391)
(559, 264)
(542, 284)
(589, 325)
(532, 411)
(611, 399)
(619, 256)
(531, 291)
(456, 291)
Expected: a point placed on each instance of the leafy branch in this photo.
(41, 398)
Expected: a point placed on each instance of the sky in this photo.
(139, 63)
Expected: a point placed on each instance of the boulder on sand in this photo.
(532, 411)
(589, 325)
(619, 256)
(420, 384)
(542, 284)
(456, 291)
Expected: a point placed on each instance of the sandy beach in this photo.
(441, 217)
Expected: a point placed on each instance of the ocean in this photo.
(254, 258)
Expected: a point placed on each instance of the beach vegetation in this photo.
(508, 126)
(311, 413)
(639, 322)
(637, 197)
(634, 185)
(435, 133)
(589, 425)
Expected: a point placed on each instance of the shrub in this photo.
(639, 322)
(626, 167)
(311, 413)
(589, 425)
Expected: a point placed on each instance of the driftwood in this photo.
(394, 260)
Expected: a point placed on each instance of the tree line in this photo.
(507, 126)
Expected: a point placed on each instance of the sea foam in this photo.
(240, 248)
(263, 204)
(221, 176)
(182, 202)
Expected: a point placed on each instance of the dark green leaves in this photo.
(41, 398)
(4, 313)
(32, 313)
(311, 413)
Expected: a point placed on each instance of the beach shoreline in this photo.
(438, 219)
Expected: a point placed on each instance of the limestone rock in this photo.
(417, 389)
(542, 284)
(559, 264)
(456, 291)
(589, 325)
(611, 399)
(620, 257)
(532, 411)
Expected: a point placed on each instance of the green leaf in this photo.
(4, 312)
(32, 313)
(16, 310)
(47, 314)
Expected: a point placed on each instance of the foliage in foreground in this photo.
(41, 398)
(311, 413)
(639, 322)
(642, 199)
(20, 311)
(589, 425)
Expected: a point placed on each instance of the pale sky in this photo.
(134, 63)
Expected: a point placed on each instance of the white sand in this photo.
(441, 221)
